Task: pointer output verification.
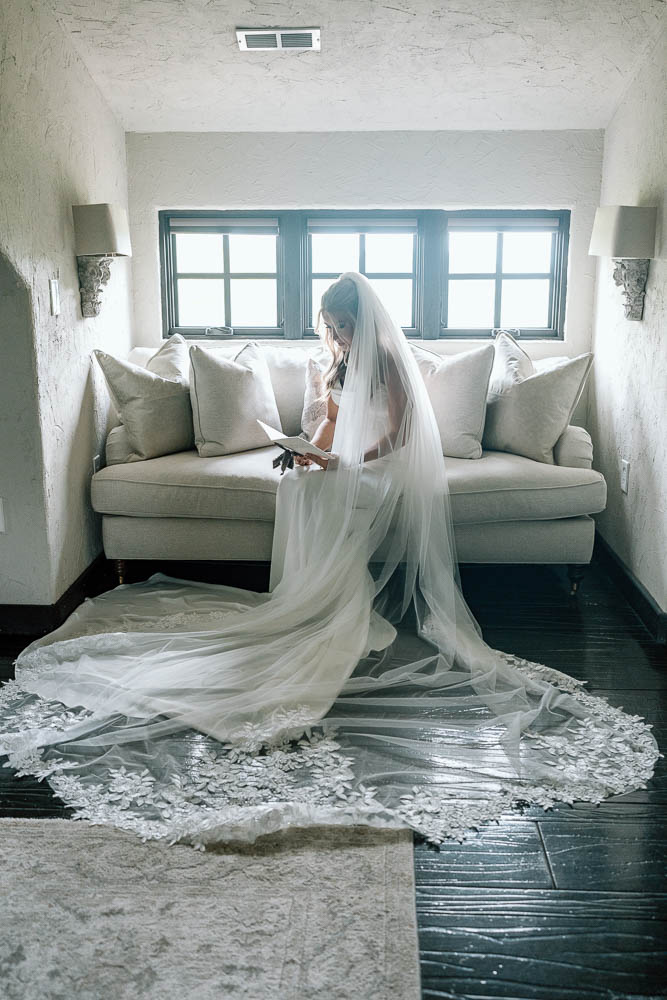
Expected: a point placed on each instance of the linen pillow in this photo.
(526, 414)
(314, 405)
(228, 396)
(287, 367)
(457, 387)
(153, 403)
(510, 361)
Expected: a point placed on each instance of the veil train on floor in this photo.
(358, 689)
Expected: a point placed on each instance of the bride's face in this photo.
(341, 329)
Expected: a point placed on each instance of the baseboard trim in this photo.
(38, 619)
(632, 589)
(34, 620)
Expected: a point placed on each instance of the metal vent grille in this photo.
(262, 41)
(296, 39)
(271, 39)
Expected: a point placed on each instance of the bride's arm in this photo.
(396, 403)
(323, 436)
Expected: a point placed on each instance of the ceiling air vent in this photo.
(271, 39)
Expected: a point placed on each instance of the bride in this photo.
(357, 690)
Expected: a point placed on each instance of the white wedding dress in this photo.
(357, 690)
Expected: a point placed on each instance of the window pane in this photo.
(319, 286)
(472, 253)
(396, 295)
(252, 253)
(527, 252)
(201, 302)
(200, 253)
(389, 252)
(335, 252)
(525, 303)
(470, 305)
(254, 302)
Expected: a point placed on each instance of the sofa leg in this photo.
(575, 572)
(119, 566)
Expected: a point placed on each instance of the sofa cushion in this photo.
(229, 396)
(186, 485)
(287, 369)
(504, 487)
(457, 387)
(510, 361)
(496, 487)
(527, 413)
(152, 401)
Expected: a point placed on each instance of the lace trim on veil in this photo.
(441, 735)
(299, 774)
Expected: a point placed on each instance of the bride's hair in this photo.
(340, 299)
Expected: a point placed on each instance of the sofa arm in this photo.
(118, 450)
(574, 448)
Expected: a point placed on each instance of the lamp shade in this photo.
(101, 230)
(623, 231)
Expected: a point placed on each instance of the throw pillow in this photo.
(153, 403)
(457, 387)
(229, 396)
(527, 413)
(287, 367)
(509, 360)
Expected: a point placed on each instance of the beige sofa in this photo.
(506, 508)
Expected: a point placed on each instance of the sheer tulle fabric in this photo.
(359, 689)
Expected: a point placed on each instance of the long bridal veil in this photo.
(359, 689)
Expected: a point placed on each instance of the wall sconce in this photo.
(627, 234)
(101, 232)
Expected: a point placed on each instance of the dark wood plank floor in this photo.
(569, 904)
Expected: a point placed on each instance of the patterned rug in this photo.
(91, 912)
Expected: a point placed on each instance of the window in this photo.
(504, 270)
(385, 250)
(440, 274)
(222, 273)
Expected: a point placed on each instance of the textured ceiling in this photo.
(174, 65)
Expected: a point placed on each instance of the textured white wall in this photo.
(628, 395)
(367, 170)
(502, 64)
(61, 146)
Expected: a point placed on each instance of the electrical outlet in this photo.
(3, 527)
(97, 463)
(625, 475)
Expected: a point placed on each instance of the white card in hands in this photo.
(298, 445)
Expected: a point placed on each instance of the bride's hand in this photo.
(302, 460)
(324, 463)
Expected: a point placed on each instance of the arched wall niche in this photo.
(24, 550)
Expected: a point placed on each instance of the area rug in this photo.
(91, 912)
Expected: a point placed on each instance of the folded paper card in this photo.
(298, 445)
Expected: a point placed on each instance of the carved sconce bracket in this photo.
(631, 275)
(94, 273)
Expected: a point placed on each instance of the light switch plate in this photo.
(54, 295)
(625, 475)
